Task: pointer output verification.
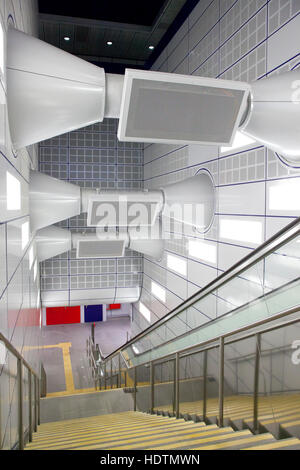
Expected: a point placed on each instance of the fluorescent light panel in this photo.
(25, 234)
(177, 264)
(240, 140)
(1, 49)
(285, 196)
(31, 257)
(13, 193)
(203, 250)
(2, 353)
(38, 300)
(145, 311)
(241, 230)
(35, 270)
(135, 349)
(158, 291)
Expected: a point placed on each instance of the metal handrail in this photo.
(33, 395)
(233, 311)
(212, 343)
(217, 343)
(282, 237)
(220, 341)
(91, 358)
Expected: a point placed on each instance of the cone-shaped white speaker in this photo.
(191, 201)
(51, 200)
(50, 91)
(274, 117)
(52, 241)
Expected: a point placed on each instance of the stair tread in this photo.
(282, 443)
(138, 430)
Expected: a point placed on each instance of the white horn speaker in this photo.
(50, 91)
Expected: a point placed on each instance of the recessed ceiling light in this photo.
(203, 250)
(177, 264)
(31, 257)
(25, 234)
(158, 291)
(241, 230)
(109, 43)
(66, 38)
(2, 354)
(1, 49)
(151, 47)
(145, 312)
(284, 196)
(35, 270)
(13, 193)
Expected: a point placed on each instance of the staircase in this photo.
(278, 414)
(135, 430)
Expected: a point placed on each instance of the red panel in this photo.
(114, 307)
(62, 315)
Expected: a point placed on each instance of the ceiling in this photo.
(142, 13)
(131, 27)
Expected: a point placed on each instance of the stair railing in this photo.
(139, 351)
(220, 343)
(33, 396)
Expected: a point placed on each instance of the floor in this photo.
(63, 352)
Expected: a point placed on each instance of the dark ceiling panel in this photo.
(131, 12)
(87, 38)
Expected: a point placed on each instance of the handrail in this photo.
(219, 343)
(269, 246)
(91, 350)
(33, 395)
(214, 342)
(16, 353)
(247, 304)
(218, 340)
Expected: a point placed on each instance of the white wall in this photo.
(234, 40)
(19, 287)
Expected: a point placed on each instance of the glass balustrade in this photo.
(229, 355)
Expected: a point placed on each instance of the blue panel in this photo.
(93, 313)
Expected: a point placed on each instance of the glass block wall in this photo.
(92, 157)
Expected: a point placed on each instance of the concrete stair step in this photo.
(283, 444)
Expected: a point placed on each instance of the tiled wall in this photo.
(19, 283)
(235, 40)
(92, 157)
